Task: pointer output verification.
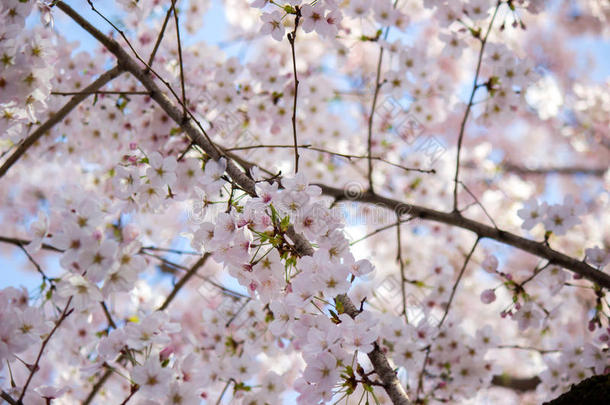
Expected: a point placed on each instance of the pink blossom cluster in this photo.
(102, 207)
(27, 58)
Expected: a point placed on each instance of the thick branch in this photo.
(58, 116)
(515, 383)
(539, 249)
(386, 373)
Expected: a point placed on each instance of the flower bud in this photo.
(488, 296)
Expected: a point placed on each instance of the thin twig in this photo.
(383, 228)
(132, 391)
(111, 322)
(224, 390)
(568, 170)
(38, 268)
(343, 155)
(457, 282)
(453, 290)
(151, 59)
(479, 204)
(182, 282)
(100, 92)
(176, 251)
(184, 117)
(401, 263)
(378, 84)
(533, 349)
(291, 38)
(475, 86)
(34, 368)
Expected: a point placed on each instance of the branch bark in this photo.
(539, 249)
(515, 383)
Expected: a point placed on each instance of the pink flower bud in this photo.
(488, 296)
(490, 264)
(165, 353)
(132, 159)
(133, 145)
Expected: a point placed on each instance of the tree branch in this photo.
(291, 38)
(539, 249)
(34, 368)
(515, 383)
(475, 86)
(58, 116)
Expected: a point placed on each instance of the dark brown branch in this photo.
(182, 282)
(539, 249)
(4, 395)
(591, 391)
(291, 38)
(111, 322)
(151, 59)
(382, 367)
(180, 60)
(515, 383)
(58, 116)
(22, 242)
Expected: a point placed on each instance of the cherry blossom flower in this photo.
(532, 213)
(273, 25)
(528, 316)
(162, 171)
(152, 378)
(84, 294)
(488, 296)
(490, 264)
(597, 256)
(39, 229)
